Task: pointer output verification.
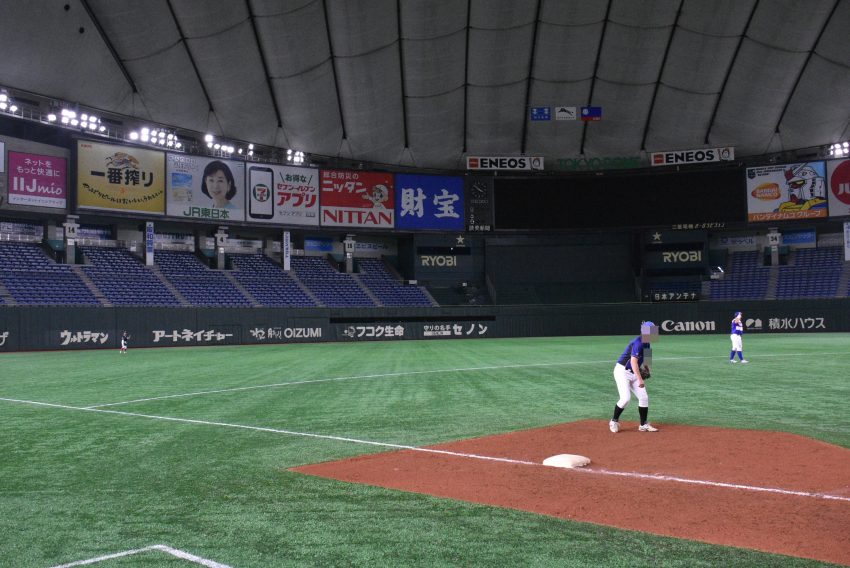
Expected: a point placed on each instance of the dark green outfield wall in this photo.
(37, 328)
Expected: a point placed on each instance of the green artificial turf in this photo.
(77, 484)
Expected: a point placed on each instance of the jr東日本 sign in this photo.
(120, 178)
(206, 188)
(787, 191)
(703, 156)
(504, 163)
(37, 180)
(357, 199)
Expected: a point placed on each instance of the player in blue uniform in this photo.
(737, 339)
(629, 374)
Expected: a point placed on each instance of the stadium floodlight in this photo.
(51, 117)
(178, 145)
(4, 97)
(208, 138)
(217, 146)
(75, 122)
(65, 120)
(134, 135)
(250, 146)
(3, 105)
(101, 128)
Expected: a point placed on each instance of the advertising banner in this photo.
(838, 174)
(504, 163)
(357, 199)
(37, 180)
(286, 250)
(703, 156)
(283, 195)
(120, 178)
(2, 157)
(479, 204)
(321, 244)
(847, 241)
(205, 188)
(785, 192)
(804, 237)
(429, 202)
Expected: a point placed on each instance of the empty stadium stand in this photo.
(199, 285)
(33, 278)
(811, 273)
(124, 280)
(331, 287)
(268, 283)
(386, 287)
(745, 278)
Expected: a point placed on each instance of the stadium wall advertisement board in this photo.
(37, 180)
(429, 202)
(357, 199)
(838, 173)
(120, 178)
(283, 195)
(785, 192)
(205, 188)
(46, 328)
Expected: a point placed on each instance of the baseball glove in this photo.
(645, 373)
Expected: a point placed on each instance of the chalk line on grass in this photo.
(182, 554)
(388, 445)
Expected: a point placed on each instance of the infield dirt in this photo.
(793, 499)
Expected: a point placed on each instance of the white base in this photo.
(567, 461)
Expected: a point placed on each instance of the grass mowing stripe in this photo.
(406, 373)
(440, 452)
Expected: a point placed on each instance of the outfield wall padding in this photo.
(49, 328)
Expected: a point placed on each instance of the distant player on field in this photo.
(629, 374)
(737, 339)
(125, 339)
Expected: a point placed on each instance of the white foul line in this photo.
(161, 547)
(404, 373)
(656, 477)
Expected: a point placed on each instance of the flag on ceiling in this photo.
(591, 113)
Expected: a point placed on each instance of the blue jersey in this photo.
(737, 328)
(633, 349)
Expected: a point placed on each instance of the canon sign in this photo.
(670, 325)
(682, 256)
